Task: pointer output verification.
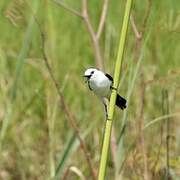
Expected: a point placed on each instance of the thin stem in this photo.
(139, 34)
(166, 111)
(102, 18)
(107, 135)
(161, 140)
(95, 42)
(141, 124)
(161, 118)
(148, 11)
(69, 9)
(63, 105)
(70, 117)
(134, 27)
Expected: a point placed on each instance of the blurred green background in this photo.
(36, 139)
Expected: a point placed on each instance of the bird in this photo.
(102, 84)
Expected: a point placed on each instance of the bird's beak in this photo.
(86, 77)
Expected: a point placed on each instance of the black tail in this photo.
(120, 102)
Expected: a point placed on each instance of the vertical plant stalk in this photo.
(142, 146)
(102, 19)
(108, 127)
(166, 112)
(95, 41)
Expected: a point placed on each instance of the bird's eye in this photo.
(92, 72)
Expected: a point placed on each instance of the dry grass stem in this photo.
(102, 19)
(63, 104)
(141, 124)
(67, 8)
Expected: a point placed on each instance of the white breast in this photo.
(100, 84)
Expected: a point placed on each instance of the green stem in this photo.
(108, 127)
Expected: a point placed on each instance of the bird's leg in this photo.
(105, 107)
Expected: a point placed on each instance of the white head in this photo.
(90, 72)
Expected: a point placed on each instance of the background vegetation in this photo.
(40, 139)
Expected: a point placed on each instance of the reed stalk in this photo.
(108, 127)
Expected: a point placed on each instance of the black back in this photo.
(109, 77)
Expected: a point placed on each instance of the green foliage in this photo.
(35, 136)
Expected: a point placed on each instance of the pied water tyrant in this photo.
(101, 84)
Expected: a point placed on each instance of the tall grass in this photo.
(37, 141)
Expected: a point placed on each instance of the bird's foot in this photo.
(113, 88)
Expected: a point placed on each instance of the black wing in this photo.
(109, 77)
